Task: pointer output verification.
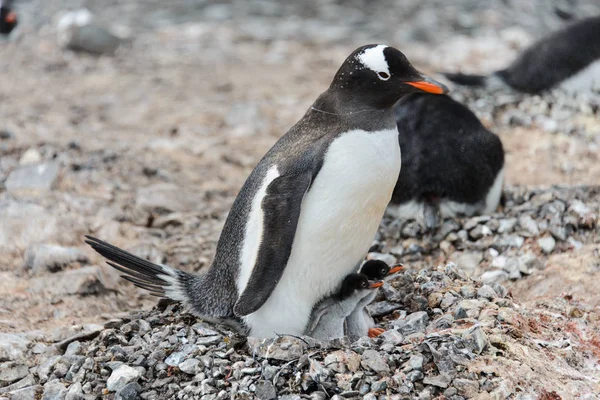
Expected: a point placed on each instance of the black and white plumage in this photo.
(359, 322)
(568, 59)
(8, 17)
(329, 316)
(308, 212)
(451, 164)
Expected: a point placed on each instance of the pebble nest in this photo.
(446, 335)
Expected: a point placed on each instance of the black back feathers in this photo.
(447, 154)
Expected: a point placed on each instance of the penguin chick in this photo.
(568, 58)
(309, 210)
(328, 317)
(360, 323)
(451, 164)
(8, 18)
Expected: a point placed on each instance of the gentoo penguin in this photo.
(308, 212)
(451, 164)
(8, 18)
(328, 318)
(359, 322)
(568, 58)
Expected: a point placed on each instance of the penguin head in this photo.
(8, 18)
(378, 76)
(377, 269)
(354, 282)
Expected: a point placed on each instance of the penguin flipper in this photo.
(281, 209)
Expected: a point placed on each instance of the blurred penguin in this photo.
(451, 164)
(568, 59)
(8, 18)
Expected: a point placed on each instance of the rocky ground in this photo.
(147, 149)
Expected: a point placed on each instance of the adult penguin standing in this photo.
(307, 213)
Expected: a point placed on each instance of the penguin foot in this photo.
(374, 332)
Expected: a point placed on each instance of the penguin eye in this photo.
(384, 76)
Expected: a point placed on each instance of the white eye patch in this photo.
(374, 59)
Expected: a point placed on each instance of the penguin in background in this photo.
(568, 59)
(308, 212)
(8, 18)
(452, 165)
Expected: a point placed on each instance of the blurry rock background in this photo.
(145, 136)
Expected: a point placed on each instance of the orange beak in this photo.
(376, 285)
(396, 268)
(429, 85)
(11, 17)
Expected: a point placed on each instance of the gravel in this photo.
(441, 349)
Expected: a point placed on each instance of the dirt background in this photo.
(154, 142)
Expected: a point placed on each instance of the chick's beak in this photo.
(11, 17)
(429, 85)
(396, 268)
(376, 285)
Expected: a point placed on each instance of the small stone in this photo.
(529, 225)
(475, 339)
(32, 178)
(93, 39)
(379, 386)
(175, 359)
(466, 387)
(497, 276)
(31, 156)
(82, 281)
(375, 361)
(434, 299)
(415, 362)
(468, 292)
(11, 372)
(486, 292)
(448, 300)
(450, 392)
(12, 346)
(508, 241)
(414, 376)
(479, 231)
(265, 390)
(54, 390)
(413, 323)
(190, 366)
(441, 381)
(468, 261)
(4, 134)
(283, 348)
(342, 360)
(392, 336)
(46, 257)
(382, 308)
(209, 340)
(507, 225)
(73, 349)
(129, 392)
(121, 377)
(75, 392)
(547, 244)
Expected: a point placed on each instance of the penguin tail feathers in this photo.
(158, 280)
(466, 79)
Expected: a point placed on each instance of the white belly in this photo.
(339, 218)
